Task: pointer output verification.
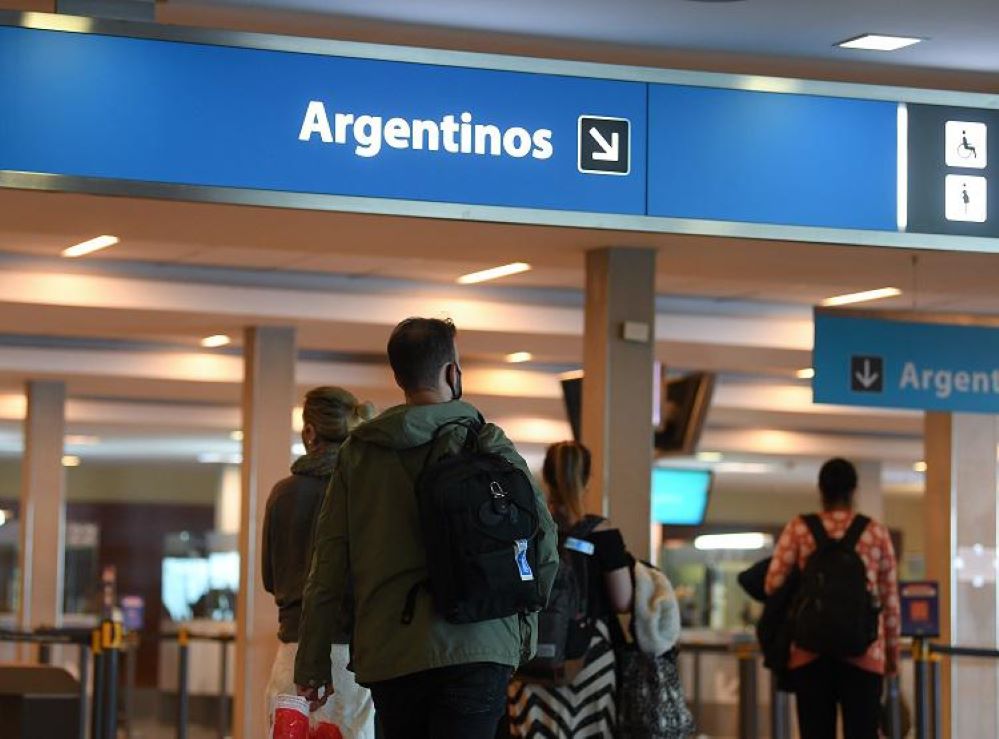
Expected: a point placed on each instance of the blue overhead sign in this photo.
(905, 364)
(763, 157)
(219, 116)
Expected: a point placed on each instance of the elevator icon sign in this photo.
(604, 145)
(967, 144)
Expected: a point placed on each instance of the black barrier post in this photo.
(223, 690)
(128, 698)
(44, 654)
(697, 686)
(748, 722)
(111, 645)
(936, 671)
(182, 656)
(82, 669)
(97, 709)
(780, 711)
(924, 697)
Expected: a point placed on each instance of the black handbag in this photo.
(650, 702)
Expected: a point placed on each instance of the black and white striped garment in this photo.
(578, 711)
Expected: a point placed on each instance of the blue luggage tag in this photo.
(579, 545)
(520, 556)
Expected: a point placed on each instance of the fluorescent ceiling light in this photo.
(70, 460)
(494, 274)
(861, 297)
(82, 440)
(878, 42)
(745, 541)
(805, 374)
(215, 341)
(90, 246)
(519, 357)
(709, 456)
(919, 467)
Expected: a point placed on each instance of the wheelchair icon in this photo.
(966, 150)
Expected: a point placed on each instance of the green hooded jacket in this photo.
(368, 532)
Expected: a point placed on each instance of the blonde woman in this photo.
(585, 707)
(329, 415)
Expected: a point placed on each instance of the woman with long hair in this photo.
(585, 706)
(329, 414)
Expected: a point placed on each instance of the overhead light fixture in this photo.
(919, 467)
(215, 341)
(861, 297)
(82, 440)
(495, 273)
(519, 357)
(747, 541)
(878, 42)
(70, 460)
(90, 246)
(709, 456)
(805, 374)
(236, 435)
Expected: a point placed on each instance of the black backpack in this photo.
(479, 516)
(834, 613)
(564, 625)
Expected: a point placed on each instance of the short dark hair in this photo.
(837, 482)
(418, 348)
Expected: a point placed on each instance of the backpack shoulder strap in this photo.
(856, 530)
(814, 524)
(586, 525)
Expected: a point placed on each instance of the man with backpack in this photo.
(435, 543)
(845, 613)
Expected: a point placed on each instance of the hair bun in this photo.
(365, 411)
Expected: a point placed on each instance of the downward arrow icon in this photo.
(867, 378)
(610, 150)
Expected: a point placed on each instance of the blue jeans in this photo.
(458, 702)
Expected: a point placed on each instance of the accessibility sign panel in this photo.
(177, 113)
(905, 363)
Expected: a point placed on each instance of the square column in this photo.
(618, 388)
(43, 507)
(268, 399)
(962, 518)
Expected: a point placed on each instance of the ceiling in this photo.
(960, 34)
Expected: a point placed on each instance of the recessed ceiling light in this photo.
(709, 456)
(519, 357)
(862, 297)
(70, 460)
(90, 246)
(878, 42)
(919, 467)
(494, 273)
(805, 374)
(215, 341)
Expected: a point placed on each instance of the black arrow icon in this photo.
(867, 374)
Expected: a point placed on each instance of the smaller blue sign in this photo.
(920, 603)
(903, 364)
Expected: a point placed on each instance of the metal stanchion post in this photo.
(697, 686)
(97, 709)
(83, 670)
(111, 645)
(182, 647)
(780, 711)
(894, 707)
(924, 706)
(935, 670)
(748, 723)
(131, 645)
(44, 654)
(223, 690)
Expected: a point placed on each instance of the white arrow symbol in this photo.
(610, 151)
(867, 378)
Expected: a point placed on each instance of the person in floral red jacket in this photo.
(821, 684)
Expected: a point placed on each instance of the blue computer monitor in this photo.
(680, 496)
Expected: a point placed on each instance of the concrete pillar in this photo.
(870, 497)
(268, 397)
(961, 540)
(43, 507)
(618, 358)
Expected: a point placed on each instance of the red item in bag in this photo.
(326, 730)
(291, 718)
